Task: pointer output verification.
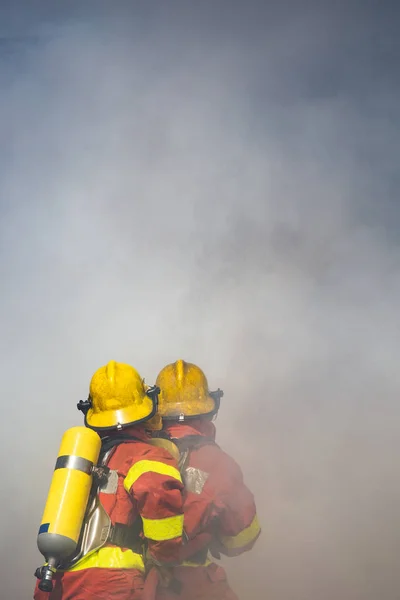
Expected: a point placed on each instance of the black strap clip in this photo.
(84, 405)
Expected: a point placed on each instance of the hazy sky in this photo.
(219, 182)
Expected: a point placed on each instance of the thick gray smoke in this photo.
(219, 189)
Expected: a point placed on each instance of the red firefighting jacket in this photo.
(149, 486)
(220, 512)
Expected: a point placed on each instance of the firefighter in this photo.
(220, 512)
(140, 497)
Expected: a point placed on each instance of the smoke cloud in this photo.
(217, 184)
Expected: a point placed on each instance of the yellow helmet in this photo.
(118, 398)
(184, 392)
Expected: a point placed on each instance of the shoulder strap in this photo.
(163, 442)
(193, 442)
(168, 445)
(110, 443)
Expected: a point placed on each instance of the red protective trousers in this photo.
(96, 584)
(199, 583)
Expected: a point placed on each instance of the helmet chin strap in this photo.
(152, 392)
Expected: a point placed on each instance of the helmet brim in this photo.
(120, 418)
(191, 409)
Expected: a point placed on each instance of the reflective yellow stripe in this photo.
(243, 538)
(187, 563)
(163, 529)
(149, 466)
(110, 558)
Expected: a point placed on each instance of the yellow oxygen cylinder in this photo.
(67, 499)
